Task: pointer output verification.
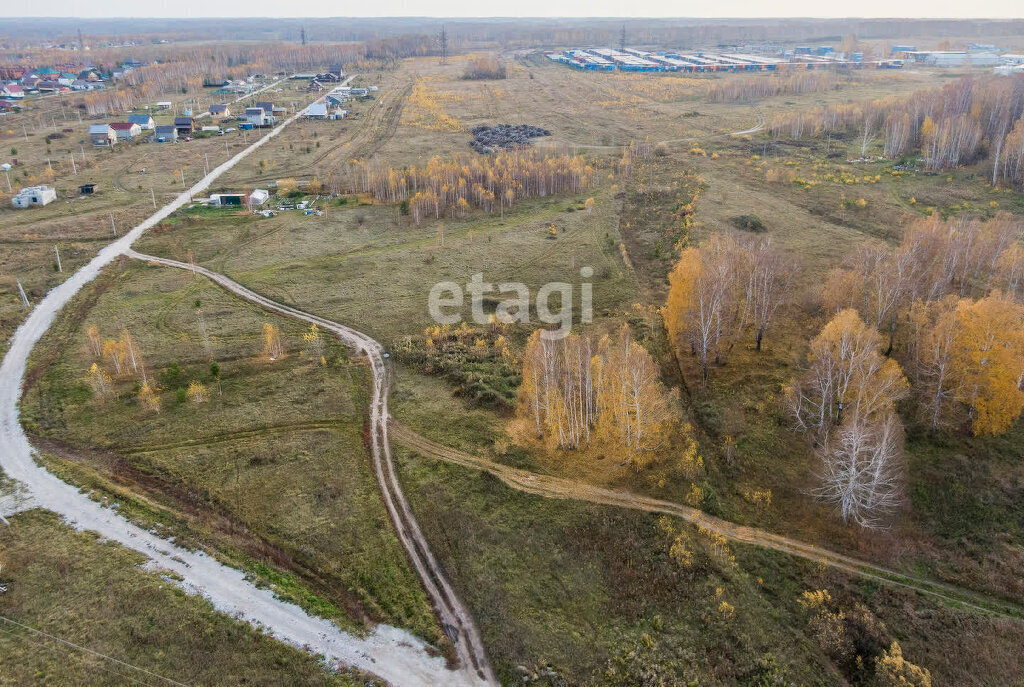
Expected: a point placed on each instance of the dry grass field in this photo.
(272, 473)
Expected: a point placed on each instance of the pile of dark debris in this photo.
(488, 139)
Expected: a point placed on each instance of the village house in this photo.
(13, 91)
(220, 111)
(256, 116)
(126, 131)
(102, 135)
(144, 121)
(34, 195)
(166, 133)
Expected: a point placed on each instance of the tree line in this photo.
(962, 122)
(741, 88)
(450, 186)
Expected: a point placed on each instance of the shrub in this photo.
(486, 67)
(748, 223)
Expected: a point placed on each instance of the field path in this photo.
(389, 653)
(550, 486)
(455, 619)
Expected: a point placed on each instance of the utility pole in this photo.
(113, 227)
(56, 250)
(206, 160)
(24, 298)
(302, 35)
(442, 40)
(82, 146)
(8, 174)
(152, 195)
(622, 39)
(74, 167)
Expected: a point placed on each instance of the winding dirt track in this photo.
(562, 488)
(455, 619)
(550, 486)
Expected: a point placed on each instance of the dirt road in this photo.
(561, 488)
(455, 619)
(392, 654)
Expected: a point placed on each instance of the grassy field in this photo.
(270, 474)
(75, 588)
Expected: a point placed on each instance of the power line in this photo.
(94, 653)
(11, 633)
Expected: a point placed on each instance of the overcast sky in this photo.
(521, 8)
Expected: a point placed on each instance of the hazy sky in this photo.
(521, 8)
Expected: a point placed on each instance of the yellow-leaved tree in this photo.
(576, 394)
(272, 348)
(846, 401)
(989, 359)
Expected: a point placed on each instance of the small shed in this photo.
(227, 199)
(87, 189)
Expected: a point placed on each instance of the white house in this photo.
(13, 91)
(126, 131)
(34, 195)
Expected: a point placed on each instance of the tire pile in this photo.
(489, 139)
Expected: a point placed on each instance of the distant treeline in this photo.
(520, 32)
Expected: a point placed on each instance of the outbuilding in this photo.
(184, 125)
(102, 135)
(317, 111)
(34, 195)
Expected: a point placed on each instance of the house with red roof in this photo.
(126, 131)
